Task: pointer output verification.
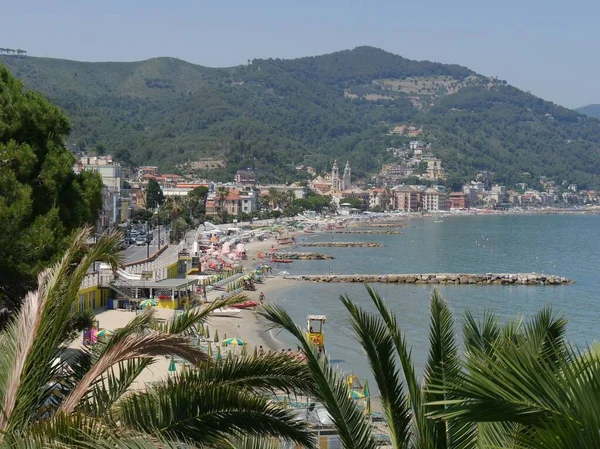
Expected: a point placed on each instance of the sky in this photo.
(549, 48)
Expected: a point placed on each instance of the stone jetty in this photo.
(441, 278)
(365, 231)
(343, 244)
(380, 224)
(301, 256)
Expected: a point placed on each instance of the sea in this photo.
(564, 245)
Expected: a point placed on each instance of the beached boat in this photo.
(245, 305)
(281, 260)
(225, 311)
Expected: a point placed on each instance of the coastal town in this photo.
(244, 198)
(215, 235)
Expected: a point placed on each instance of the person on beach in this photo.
(261, 297)
(261, 351)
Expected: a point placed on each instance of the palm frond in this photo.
(268, 373)
(443, 366)
(132, 346)
(207, 414)
(195, 316)
(111, 386)
(352, 427)
(19, 339)
(374, 337)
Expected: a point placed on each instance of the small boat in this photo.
(308, 231)
(225, 311)
(281, 260)
(245, 305)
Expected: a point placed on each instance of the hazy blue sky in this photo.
(547, 47)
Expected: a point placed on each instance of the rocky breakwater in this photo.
(301, 256)
(366, 231)
(343, 244)
(441, 278)
(395, 224)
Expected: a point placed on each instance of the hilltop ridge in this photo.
(274, 114)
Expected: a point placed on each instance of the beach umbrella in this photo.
(172, 368)
(148, 303)
(105, 333)
(219, 356)
(217, 336)
(355, 394)
(367, 394)
(234, 341)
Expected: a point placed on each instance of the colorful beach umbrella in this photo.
(367, 394)
(148, 303)
(234, 341)
(172, 367)
(105, 333)
(355, 394)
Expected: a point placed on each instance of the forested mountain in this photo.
(593, 110)
(272, 114)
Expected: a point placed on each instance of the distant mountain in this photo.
(593, 110)
(275, 114)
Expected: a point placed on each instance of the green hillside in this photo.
(593, 110)
(273, 114)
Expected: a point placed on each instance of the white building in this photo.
(112, 179)
(434, 200)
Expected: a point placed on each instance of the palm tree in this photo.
(88, 403)
(222, 195)
(526, 386)
(288, 197)
(388, 354)
(517, 385)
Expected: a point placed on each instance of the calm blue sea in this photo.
(553, 244)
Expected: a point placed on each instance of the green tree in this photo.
(87, 402)
(354, 202)
(41, 199)
(197, 201)
(222, 194)
(154, 195)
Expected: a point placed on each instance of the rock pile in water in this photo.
(343, 244)
(366, 231)
(441, 278)
(301, 256)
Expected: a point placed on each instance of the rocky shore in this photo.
(343, 244)
(301, 256)
(441, 278)
(365, 231)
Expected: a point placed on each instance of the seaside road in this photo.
(135, 253)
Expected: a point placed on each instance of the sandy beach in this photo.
(245, 326)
